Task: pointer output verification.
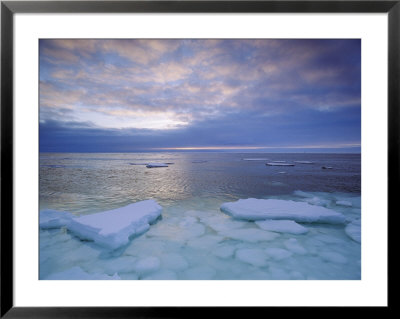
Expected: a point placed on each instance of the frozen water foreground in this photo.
(194, 240)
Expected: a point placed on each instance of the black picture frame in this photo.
(9, 8)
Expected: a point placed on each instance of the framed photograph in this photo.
(164, 155)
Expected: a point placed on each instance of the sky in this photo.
(254, 95)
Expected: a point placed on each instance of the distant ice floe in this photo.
(255, 159)
(304, 162)
(282, 226)
(327, 167)
(153, 165)
(353, 230)
(262, 209)
(279, 164)
(111, 229)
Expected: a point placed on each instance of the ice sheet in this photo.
(262, 209)
(113, 228)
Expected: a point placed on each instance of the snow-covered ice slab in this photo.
(152, 165)
(113, 228)
(282, 226)
(353, 230)
(279, 164)
(54, 219)
(262, 209)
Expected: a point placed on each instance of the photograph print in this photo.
(199, 159)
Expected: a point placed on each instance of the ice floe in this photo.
(279, 164)
(147, 265)
(278, 253)
(113, 228)
(253, 256)
(163, 274)
(54, 219)
(353, 230)
(344, 203)
(224, 251)
(282, 226)
(252, 235)
(334, 257)
(174, 261)
(153, 165)
(76, 273)
(304, 162)
(262, 209)
(255, 159)
(200, 272)
(294, 246)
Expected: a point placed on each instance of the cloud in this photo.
(181, 86)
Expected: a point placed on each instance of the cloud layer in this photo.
(129, 95)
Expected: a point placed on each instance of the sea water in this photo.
(194, 239)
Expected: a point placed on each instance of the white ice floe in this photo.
(279, 164)
(152, 165)
(353, 230)
(76, 273)
(112, 229)
(54, 219)
(282, 226)
(262, 209)
(278, 253)
(345, 203)
(304, 162)
(253, 256)
(255, 159)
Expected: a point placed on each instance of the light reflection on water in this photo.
(93, 182)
